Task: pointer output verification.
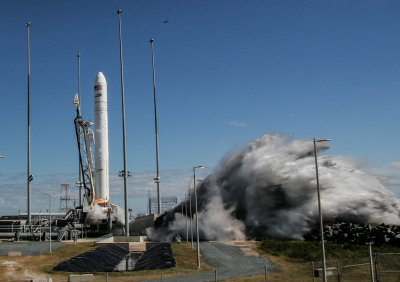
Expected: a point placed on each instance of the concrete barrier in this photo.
(125, 239)
(80, 278)
(330, 271)
(132, 243)
(46, 279)
(14, 254)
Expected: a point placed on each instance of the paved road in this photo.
(230, 261)
(30, 248)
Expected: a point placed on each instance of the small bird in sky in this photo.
(166, 21)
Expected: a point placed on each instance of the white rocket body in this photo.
(102, 190)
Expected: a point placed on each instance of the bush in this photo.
(311, 251)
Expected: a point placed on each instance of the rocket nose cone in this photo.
(100, 78)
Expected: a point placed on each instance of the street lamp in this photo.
(187, 230)
(182, 226)
(319, 208)
(50, 218)
(40, 223)
(197, 215)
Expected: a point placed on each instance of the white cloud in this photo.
(13, 189)
(238, 124)
(14, 195)
(389, 175)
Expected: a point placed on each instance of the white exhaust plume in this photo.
(96, 213)
(269, 189)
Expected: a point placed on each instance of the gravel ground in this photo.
(28, 248)
(229, 260)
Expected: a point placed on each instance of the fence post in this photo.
(378, 268)
(371, 261)
(313, 279)
(266, 274)
(162, 276)
(338, 272)
(216, 275)
(106, 277)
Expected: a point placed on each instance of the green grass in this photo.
(293, 257)
(186, 263)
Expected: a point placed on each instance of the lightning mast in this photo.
(30, 176)
(80, 182)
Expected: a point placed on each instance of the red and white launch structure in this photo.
(102, 190)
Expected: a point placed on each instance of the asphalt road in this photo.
(30, 248)
(230, 261)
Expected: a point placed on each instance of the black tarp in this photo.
(158, 257)
(101, 259)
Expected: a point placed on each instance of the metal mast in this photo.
(157, 179)
(125, 172)
(79, 109)
(30, 177)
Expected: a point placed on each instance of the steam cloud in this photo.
(96, 214)
(269, 189)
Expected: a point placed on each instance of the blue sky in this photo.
(227, 72)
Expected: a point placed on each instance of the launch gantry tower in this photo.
(85, 138)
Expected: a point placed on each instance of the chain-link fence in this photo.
(385, 267)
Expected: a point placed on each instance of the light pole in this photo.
(50, 218)
(75, 237)
(182, 219)
(197, 215)
(191, 217)
(187, 230)
(371, 261)
(321, 224)
(40, 223)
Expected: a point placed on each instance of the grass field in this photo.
(293, 257)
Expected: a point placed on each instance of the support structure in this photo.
(166, 204)
(85, 139)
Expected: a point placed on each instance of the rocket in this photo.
(102, 192)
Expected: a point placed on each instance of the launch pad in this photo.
(96, 215)
(77, 223)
